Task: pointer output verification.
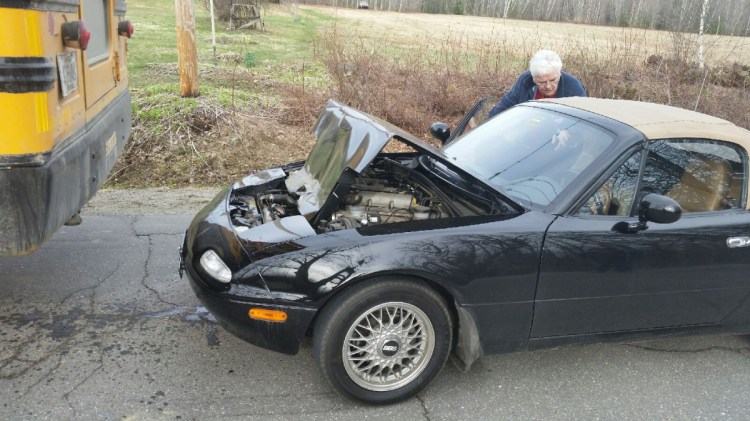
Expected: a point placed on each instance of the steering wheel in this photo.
(536, 189)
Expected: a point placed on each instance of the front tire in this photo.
(383, 341)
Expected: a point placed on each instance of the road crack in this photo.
(146, 272)
(425, 411)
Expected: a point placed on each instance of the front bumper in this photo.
(231, 303)
(232, 313)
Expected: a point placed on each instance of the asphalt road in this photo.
(98, 325)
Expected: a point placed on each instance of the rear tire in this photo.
(384, 340)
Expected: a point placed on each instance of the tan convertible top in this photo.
(658, 121)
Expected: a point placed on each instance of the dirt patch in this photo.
(210, 145)
(152, 201)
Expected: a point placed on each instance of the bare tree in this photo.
(700, 35)
(730, 17)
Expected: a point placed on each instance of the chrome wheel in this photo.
(388, 346)
(383, 340)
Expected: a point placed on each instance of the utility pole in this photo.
(187, 61)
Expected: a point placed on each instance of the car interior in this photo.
(700, 176)
(704, 184)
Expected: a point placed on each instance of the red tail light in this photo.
(75, 34)
(125, 28)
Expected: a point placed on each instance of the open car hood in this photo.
(345, 184)
(347, 138)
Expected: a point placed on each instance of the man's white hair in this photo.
(544, 62)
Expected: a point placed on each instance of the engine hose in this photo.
(278, 198)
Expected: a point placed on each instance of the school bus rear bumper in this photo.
(35, 200)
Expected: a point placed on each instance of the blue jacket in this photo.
(524, 90)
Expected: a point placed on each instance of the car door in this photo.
(476, 116)
(599, 275)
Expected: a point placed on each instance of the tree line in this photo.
(723, 17)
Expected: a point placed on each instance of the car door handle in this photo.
(735, 242)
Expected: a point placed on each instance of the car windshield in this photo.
(529, 153)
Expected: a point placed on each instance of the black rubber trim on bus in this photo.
(26, 74)
(36, 200)
(67, 6)
(26, 160)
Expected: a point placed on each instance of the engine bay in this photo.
(388, 191)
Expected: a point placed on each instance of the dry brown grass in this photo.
(205, 144)
(527, 36)
(413, 70)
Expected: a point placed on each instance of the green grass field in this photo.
(288, 39)
(262, 89)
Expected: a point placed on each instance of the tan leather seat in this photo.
(703, 185)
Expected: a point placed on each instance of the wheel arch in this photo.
(465, 348)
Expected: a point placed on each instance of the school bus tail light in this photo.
(75, 34)
(125, 29)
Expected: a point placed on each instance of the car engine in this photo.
(387, 192)
(373, 201)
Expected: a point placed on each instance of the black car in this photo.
(556, 222)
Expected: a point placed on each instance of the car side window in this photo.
(615, 196)
(701, 175)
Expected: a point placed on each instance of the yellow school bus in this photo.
(65, 111)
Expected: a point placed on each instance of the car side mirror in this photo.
(652, 208)
(659, 209)
(440, 131)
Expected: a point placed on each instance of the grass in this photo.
(471, 57)
(245, 63)
(415, 28)
(260, 97)
(287, 40)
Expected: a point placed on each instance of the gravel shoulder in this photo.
(151, 201)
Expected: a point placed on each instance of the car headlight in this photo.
(214, 266)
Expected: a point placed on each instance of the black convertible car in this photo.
(560, 221)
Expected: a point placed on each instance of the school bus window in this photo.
(96, 14)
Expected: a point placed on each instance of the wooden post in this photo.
(187, 60)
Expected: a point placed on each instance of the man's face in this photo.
(547, 83)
